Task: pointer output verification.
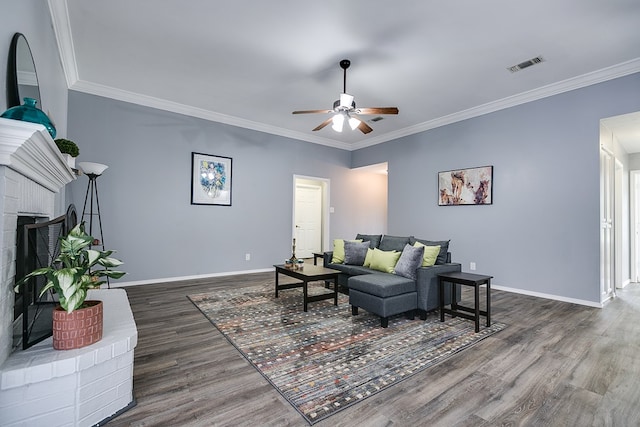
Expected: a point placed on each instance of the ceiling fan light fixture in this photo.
(338, 122)
(346, 100)
(354, 123)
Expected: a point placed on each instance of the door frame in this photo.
(634, 187)
(325, 184)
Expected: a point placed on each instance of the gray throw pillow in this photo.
(393, 243)
(373, 239)
(410, 260)
(355, 252)
(444, 248)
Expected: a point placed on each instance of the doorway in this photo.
(310, 215)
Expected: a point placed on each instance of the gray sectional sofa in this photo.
(388, 294)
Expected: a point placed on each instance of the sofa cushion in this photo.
(409, 261)
(382, 285)
(351, 270)
(444, 248)
(338, 251)
(355, 252)
(430, 254)
(393, 243)
(373, 239)
(384, 261)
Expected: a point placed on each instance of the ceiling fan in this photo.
(344, 109)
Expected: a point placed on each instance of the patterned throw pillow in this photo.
(410, 260)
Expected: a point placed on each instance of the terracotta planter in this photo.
(79, 328)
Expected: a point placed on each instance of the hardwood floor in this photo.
(556, 364)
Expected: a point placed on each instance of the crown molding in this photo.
(599, 76)
(619, 70)
(175, 107)
(62, 29)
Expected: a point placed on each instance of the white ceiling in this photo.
(251, 63)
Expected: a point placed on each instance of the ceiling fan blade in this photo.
(311, 111)
(378, 110)
(323, 124)
(364, 128)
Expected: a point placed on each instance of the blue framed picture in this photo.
(210, 179)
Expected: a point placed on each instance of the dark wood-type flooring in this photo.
(556, 364)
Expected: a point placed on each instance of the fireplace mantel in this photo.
(28, 149)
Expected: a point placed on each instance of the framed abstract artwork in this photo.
(210, 179)
(472, 186)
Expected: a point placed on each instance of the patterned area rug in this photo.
(325, 360)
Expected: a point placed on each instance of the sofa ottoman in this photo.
(383, 294)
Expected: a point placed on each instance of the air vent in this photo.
(376, 119)
(525, 64)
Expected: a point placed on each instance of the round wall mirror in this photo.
(22, 80)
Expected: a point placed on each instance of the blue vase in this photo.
(28, 112)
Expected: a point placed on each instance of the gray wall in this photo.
(145, 193)
(541, 235)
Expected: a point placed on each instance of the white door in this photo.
(606, 225)
(308, 219)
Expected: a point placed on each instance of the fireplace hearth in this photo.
(96, 381)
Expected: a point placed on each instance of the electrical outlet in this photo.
(472, 266)
(247, 257)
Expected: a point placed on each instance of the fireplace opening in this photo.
(37, 245)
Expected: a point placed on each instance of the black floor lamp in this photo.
(93, 171)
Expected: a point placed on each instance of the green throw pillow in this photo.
(430, 254)
(338, 250)
(367, 259)
(384, 261)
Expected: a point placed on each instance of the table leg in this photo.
(454, 298)
(335, 291)
(489, 302)
(276, 283)
(304, 287)
(441, 304)
(477, 299)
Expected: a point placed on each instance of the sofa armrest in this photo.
(427, 285)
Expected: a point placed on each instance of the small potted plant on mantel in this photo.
(76, 322)
(69, 150)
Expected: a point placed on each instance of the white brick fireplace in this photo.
(42, 386)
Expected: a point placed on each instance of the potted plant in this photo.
(76, 322)
(69, 150)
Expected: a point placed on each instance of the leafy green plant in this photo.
(68, 147)
(71, 273)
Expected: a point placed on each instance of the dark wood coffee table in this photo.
(308, 274)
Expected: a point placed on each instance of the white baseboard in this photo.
(176, 279)
(266, 270)
(548, 296)
(624, 284)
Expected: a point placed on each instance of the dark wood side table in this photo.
(317, 255)
(308, 274)
(467, 279)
